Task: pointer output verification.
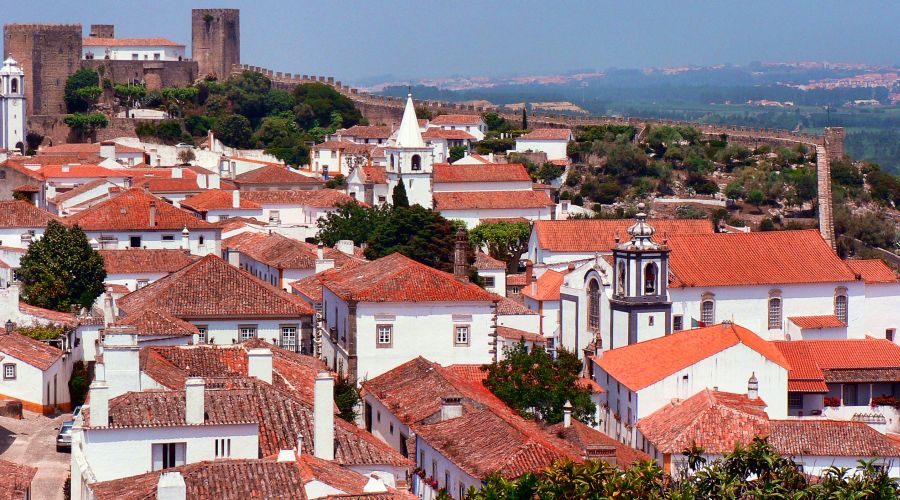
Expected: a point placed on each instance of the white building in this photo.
(471, 124)
(369, 184)
(552, 141)
(442, 141)
(21, 223)
(410, 160)
(341, 157)
(131, 49)
(34, 373)
(492, 273)
(473, 206)
(136, 268)
(363, 134)
(12, 106)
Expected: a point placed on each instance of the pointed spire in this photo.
(409, 136)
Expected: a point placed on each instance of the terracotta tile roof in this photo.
(318, 198)
(817, 322)
(310, 287)
(872, 270)
(47, 314)
(94, 41)
(449, 119)
(546, 287)
(348, 147)
(183, 185)
(486, 262)
(769, 257)
(115, 288)
(515, 279)
(805, 375)
(366, 132)
(715, 421)
(131, 211)
(829, 438)
(508, 306)
(491, 199)
(374, 174)
(598, 235)
(78, 148)
(31, 351)
(73, 171)
(500, 172)
(516, 335)
(439, 133)
(585, 438)
(142, 260)
(815, 362)
(218, 199)
(15, 480)
(281, 252)
(548, 134)
(397, 278)
(212, 288)
(18, 213)
(275, 174)
(157, 323)
(494, 220)
(639, 365)
(87, 186)
(27, 188)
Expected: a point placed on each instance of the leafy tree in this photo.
(525, 117)
(86, 125)
(61, 270)
(419, 233)
(885, 187)
(496, 123)
(42, 332)
(700, 184)
(178, 97)
(757, 198)
(734, 190)
(80, 79)
(317, 101)
(399, 197)
(457, 152)
(537, 386)
(346, 398)
(234, 130)
(350, 221)
(198, 125)
(129, 94)
(336, 182)
(90, 95)
(186, 156)
(79, 382)
(549, 172)
(247, 93)
(505, 241)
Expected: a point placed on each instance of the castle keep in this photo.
(216, 40)
(48, 54)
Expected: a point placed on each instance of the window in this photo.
(650, 321)
(461, 335)
(391, 427)
(594, 306)
(2, 174)
(416, 162)
(108, 242)
(462, 490)
(392, 161)
(316, 153)
(168, 237)
(382, 199)
(141, 284)
(488, 281)
(677, 323)
(650, 279)
(134, 241)
(434, 468)
(840, 307)
(274, 216)
(156, 56)
(289, 338)
(14, 85)
(201, 335)
(248, 332)
(708, 312)
(134, 57)
(774, 313)
(447, 479)
(200, 240)
(385, 335)
(889, 334)
(620, 279)
(167, 455)
(795, 400)
(422, 459)
(223, 448)
(9, 371)
(334, 154)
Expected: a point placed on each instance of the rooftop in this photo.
(832, 438)
(450, 119)
(815, 362)
(485, 262)
(548, 134)
(366, 132)
(275, 174)
(500, 172)
(281, 252)
(490, 199)
(15, 480)
(439, 133)
(872, 270)
(157, 323)
(599, 235)
(218, 199)
(142, 260)
(546, 287)
(317, 198)
(18, 213)
(131, 211)
(93, 41)
(817, 322)
(34, 352)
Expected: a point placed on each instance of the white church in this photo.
(12, 106)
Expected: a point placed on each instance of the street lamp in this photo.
(9, 326)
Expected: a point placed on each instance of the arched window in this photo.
(775, 313)
(416, 162)
(708, 312)
(392, 161)
(650, 279)
(620, 279)
(840, 307)
(594, 306)
(14, 85)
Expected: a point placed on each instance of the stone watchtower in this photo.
(216, 41)
(48, 54)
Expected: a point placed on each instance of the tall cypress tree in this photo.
(525, 116)
(399, 195)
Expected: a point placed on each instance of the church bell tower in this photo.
(12, 106)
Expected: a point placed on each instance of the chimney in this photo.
(322, 264)
(171, 486)
(214, 181)
(323, 407)
(460, 266)
(529, 271)
(344, 246)
(185, 239)
(567, 414)
(153, 213)
(194, 406)
(107, 150)
(202, 181)
(99, 403)
(604, 452)
(177, 173)
(108, 314)
(320, 251)
(451, 407)
(259, 364)
(65, 168)
(753, 387)
(236, 199)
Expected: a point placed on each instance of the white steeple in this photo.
(12, 106)
(409, 136)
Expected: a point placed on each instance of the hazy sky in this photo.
(410, 39)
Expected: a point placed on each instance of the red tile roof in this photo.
(817, 322)
(275, 174)
(546, 287)
(397, 278)
(484, 261)
(449, 119)
(517, 335)
(548, 134)
(813, 362)
(27, 188)
(639, 365)
(131, 211)
(281, 252)
(587, 438)
(19, 213)
(872, 270)
(141, 260)
(15, 480)
(78, 148)
(373, 174)
(47, 314)
(439, 133)
(157, 323)
(500, 172)
(366, 132)
(183, 185)
(508, 306)
(218, 199)
(94, 41)
(830, 438)
(491, 199)
(77, 171)
(515, 279)
(212, 288)
(598, 235)
(769, 257)
(317, 198)
(84, 188)
(715, 421)
(31, 351)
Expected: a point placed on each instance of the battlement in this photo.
(222, 12)
(46, 27)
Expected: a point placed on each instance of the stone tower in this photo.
(834, 143)
(103, 31)
(216, 41)
(48, 54)
(12, 106)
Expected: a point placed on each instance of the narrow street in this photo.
(32, 441)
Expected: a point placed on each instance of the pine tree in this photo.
(525, 116)
(399, 195)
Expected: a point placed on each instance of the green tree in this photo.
(315, 103)
(234, 130)
(86, 125)
(505, 241)
(61, 270)
(399, 197)
(336, 182)
(78, 80)
(549, 172)
(525, 116)
(757, 198)
(346, 398)
(537, 386)
(178, 97)
(129, 95)
(457, 152)
(350, 221)
(419, 233)
(734, 190)
(90, 95)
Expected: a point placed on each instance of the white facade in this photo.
(483, 186)
(554, 148)
(199, 241)
(19, 237)
(39, 390)
(114, 49)
(133, 280)
(437, 466)
(472, 216)
(494, 280)
(12, 106)
(476, 130)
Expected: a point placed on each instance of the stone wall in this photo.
(48, 54)
(216, 40)
(56, 131)
(155, 74)
(103, 30)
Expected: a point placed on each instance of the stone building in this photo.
(216, 40)
(48, 54)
